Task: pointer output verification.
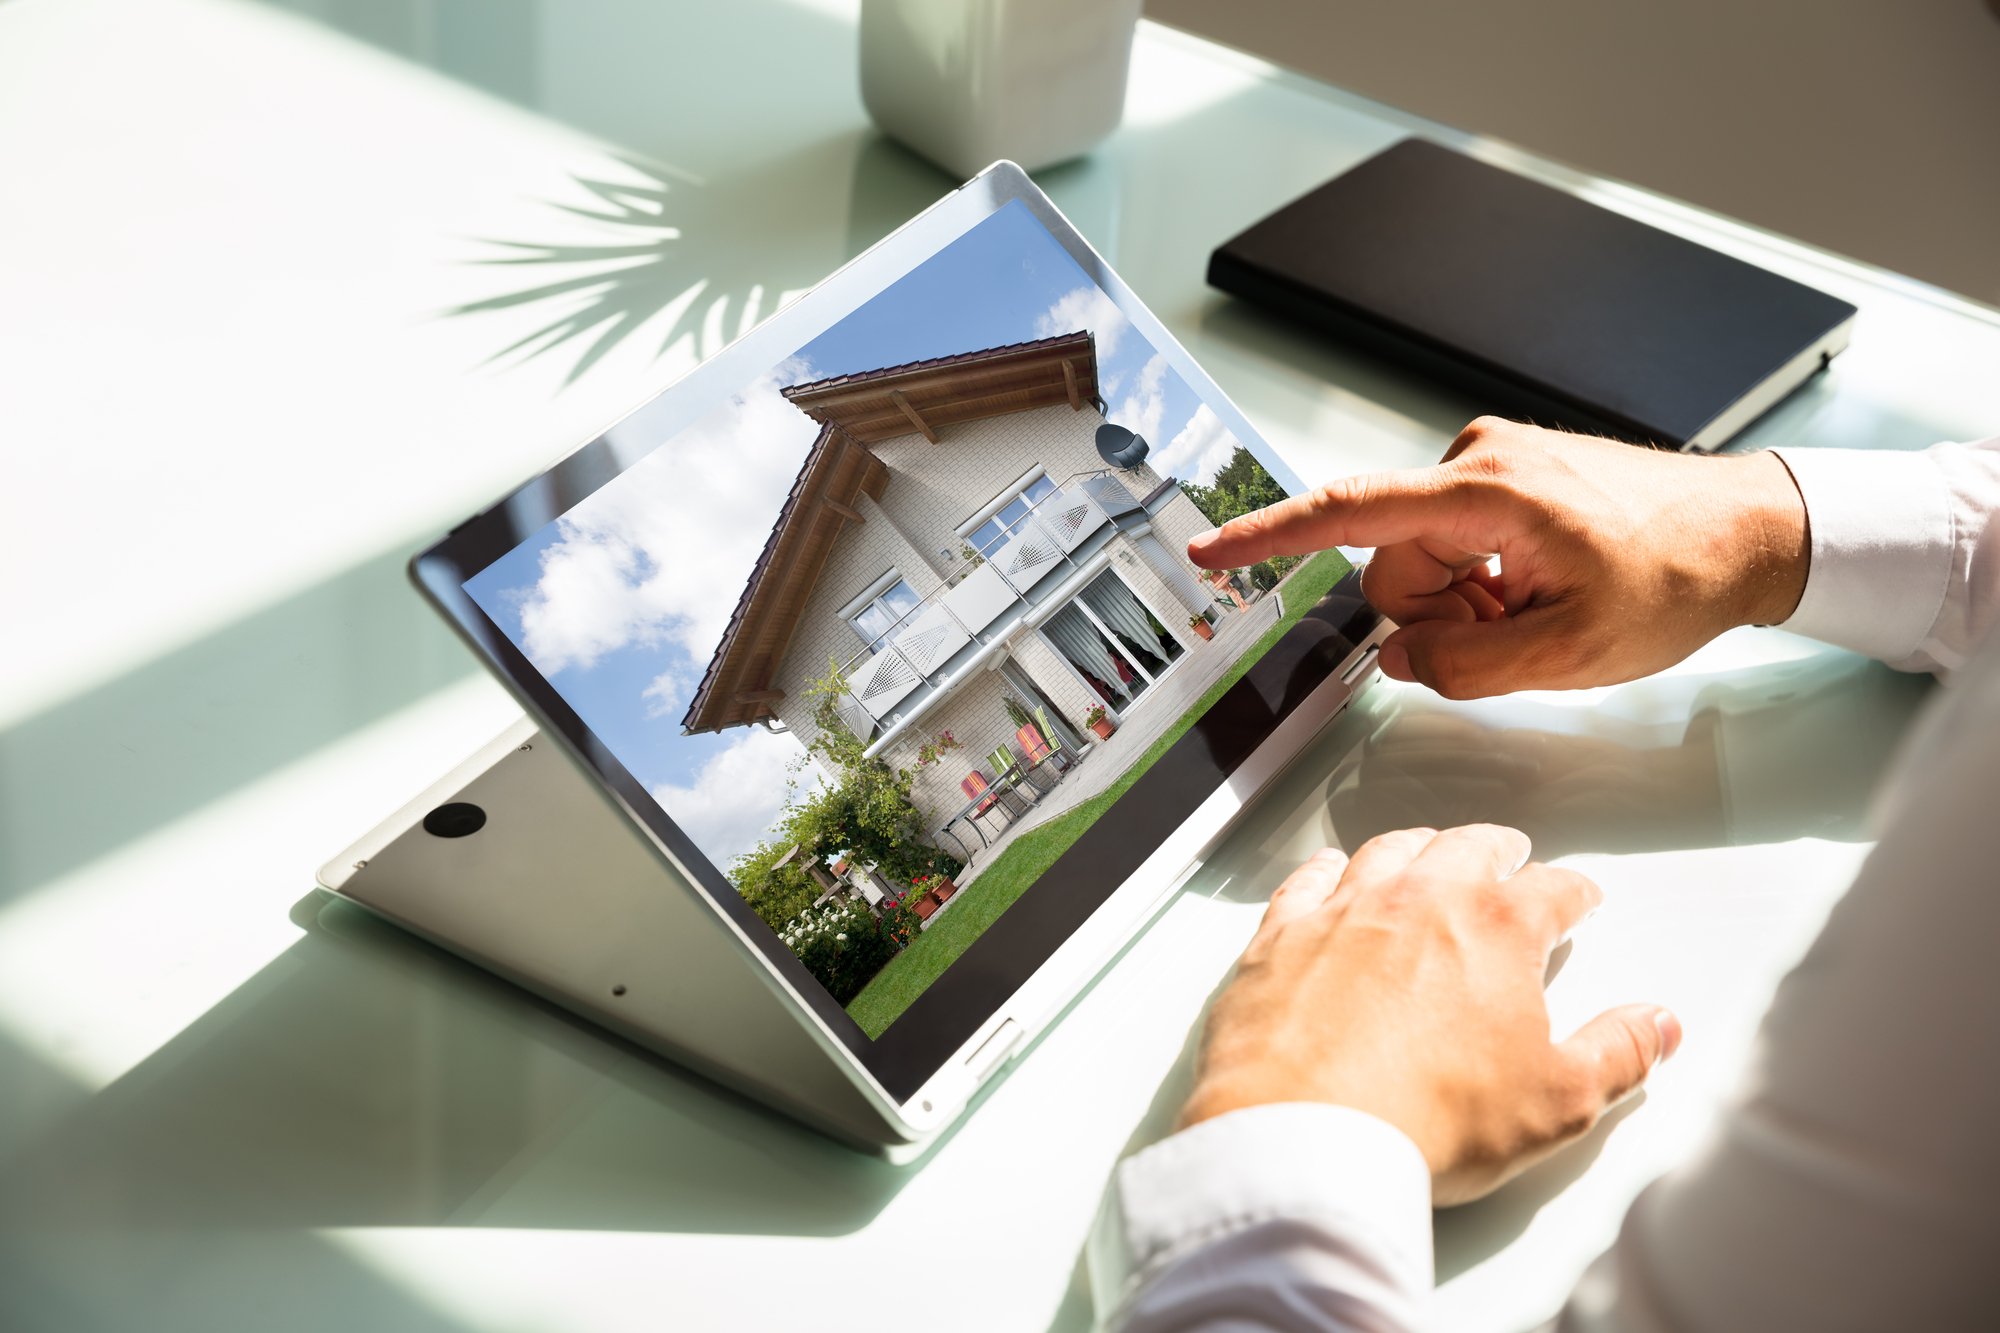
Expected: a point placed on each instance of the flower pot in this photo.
(922, 904)
(1203, 629)
(943, 889)
(1103, 728)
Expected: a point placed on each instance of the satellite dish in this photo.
(1120, 447)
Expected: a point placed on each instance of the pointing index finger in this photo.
(1376, 509)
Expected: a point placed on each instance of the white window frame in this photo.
(1002, 500)
(867, 599)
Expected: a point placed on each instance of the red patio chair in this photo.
(1033, 748)
(976, 786)
(973, 785)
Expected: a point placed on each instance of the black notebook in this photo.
(1542, 305)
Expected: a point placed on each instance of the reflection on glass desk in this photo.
(1789, 750)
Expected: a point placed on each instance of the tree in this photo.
(865, 812)
(1242, 485)
(776, 893)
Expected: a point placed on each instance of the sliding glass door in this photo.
(1113, 641)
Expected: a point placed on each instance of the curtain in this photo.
(1118, 608)
(1079, 641)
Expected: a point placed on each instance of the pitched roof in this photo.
(854, 411)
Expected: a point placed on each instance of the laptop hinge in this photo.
(993, 1052)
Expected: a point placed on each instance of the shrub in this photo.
(1268, 574)
(842, 945)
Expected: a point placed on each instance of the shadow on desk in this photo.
(367, 1079)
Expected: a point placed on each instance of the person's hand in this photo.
(1615, 561)
(1407, 983)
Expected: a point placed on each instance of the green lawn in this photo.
(907, 975)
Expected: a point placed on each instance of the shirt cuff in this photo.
(1329, 1201)
(1881, 549)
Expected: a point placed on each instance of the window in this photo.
(1010, 517)
(883, 612)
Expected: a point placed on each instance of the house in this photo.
(953, 538)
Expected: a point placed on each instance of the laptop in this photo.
(872, 704)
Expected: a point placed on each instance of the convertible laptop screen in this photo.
(887, 632)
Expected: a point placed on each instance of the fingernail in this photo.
(1394, 659)
(1670, 1034)
(1203, 538)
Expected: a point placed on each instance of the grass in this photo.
(907, 975)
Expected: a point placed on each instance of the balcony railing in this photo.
(915, 654)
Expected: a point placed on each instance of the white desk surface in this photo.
(241, 385)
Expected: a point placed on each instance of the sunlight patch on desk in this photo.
(264, 346)
(1175, 76)
(104, 965)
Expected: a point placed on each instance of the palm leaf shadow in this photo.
(602, 293)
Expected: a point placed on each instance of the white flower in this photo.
(841, 936)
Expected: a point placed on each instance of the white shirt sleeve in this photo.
(1902, 565)
(1293, 1216)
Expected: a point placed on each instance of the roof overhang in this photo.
(925, 397)
(736, 690)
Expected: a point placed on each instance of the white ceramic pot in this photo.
(967, 82)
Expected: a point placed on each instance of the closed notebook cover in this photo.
(1539, 302)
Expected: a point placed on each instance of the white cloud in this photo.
(1202, 449)
(669, 694)
(1089, 308)
(732, 802)
(659, 558)
(1147, 403)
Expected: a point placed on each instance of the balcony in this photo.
(955, 629)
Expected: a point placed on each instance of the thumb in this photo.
(1613, 1052)
(1475, 659)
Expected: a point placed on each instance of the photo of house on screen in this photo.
(887, 629)
(1007, 618)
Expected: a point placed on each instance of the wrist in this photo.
(1771, 547)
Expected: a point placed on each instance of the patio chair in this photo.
(985, 798)
(1034, 749)
(1054, 740)
(1008, 775)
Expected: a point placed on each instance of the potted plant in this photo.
(901, 921)
(1099, 723)
(933, 750)
(938, 886)
(1201, 626)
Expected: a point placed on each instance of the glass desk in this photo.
(291, 287)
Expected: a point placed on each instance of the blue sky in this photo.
(621, 601)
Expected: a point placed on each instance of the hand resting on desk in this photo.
(1407, 982)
